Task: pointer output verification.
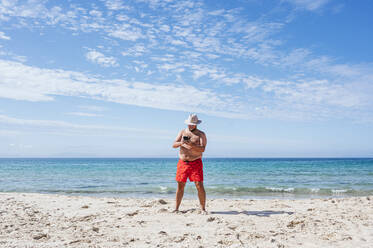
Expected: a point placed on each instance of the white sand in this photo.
(44, 220)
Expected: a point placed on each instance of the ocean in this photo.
(224, 177)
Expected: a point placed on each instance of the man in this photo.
(192, 143)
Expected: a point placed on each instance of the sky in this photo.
(115, 78)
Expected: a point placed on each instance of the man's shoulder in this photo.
(201, 132)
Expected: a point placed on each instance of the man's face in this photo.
(192, 127)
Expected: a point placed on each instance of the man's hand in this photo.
(196, 147)
(186, 144)
(191, 146)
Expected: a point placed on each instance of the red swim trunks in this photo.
(189, 169)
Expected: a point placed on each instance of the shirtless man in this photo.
(192, 143)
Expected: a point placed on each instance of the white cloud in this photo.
(92, 108)
(116, 5)
(199, 73)
(309, 4)
(197, 32)
(191, 27)
(172, 66)
(28, 83)
(165, 28)
(157, 3)
(8, 133)
(232, 80)
(295, 57)
(35, 9)
(29, 9)
(43, 123)
(3, 36)
(6, 52)
(95, 13)
(19, 58)
(253, 82)
(310, 92)
(212, 56)
(99, 58)
(20, 146)
(217, 12)
(49, 126)
(126, 32)
(85, 114)
(255, 31)
(136, 51)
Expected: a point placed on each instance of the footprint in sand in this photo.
(211, 219)
(133, 213)
(162, 210)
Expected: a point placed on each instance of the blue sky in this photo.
(287, 78)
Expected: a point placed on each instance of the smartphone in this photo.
(186, 138)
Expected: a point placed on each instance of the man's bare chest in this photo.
(193, 137)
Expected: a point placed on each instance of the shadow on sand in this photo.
(265, 213)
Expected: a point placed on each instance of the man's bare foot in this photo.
(176, 211)
(203, 212)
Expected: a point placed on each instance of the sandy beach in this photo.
(46, 220)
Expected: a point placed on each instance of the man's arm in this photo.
(202, 144)
(178, 142)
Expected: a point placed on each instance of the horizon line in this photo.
(286, 157)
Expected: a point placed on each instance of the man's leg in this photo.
(201, 194)
(179, 194)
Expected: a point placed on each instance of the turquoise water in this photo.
(224, 178)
